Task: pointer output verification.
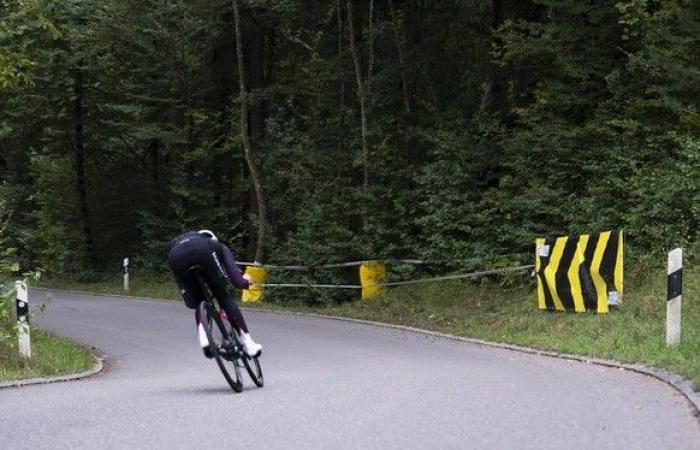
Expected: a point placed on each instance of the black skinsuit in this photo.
(192, 249)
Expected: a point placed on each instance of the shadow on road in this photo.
(208, 390)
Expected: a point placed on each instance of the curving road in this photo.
(329, 384)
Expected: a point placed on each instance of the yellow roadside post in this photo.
(372, 273)
(256, 292)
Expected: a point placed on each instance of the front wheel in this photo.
(219, 345)
(252, 365)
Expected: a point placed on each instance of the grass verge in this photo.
(635, 333)
(51, 356)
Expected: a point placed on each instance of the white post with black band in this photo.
(126, 274)
(25, 348)
(675, 291)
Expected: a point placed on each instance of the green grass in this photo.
(51, 355)
(634, 333)
(147, 286)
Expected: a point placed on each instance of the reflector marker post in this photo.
(22, 303)
(675, 291)
(126, 274)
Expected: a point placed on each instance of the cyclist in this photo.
(202, 250)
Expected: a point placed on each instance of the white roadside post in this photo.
(126, 274)
(25, 349)
(673, 304)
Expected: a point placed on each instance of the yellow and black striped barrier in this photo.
(580, 273)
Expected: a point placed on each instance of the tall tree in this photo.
(475, 125)
(245, 136)
(363, 86)
(80, 156)
(396, 28)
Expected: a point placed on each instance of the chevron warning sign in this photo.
(580, 273)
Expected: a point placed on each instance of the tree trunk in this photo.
(362, 94)
(340, 59)
(245, 136)
(402, 62)
(3, 151)
(496, 101)
(154, 153)
(254, 65)
(341, 86)
(341, 72)
(79, 119)
(370, 44)
(182, 75)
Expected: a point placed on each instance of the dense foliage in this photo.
(380, 128)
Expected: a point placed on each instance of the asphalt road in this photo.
(329, 385)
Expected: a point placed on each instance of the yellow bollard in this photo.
(371, 274)
(255, 293)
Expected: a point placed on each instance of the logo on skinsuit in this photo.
(218, 264)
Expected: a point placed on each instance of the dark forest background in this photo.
(378, 128)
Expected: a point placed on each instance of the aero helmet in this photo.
(208, 234)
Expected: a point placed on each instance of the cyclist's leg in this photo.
(186, 262)
(191, 292)
(236, 318)
(181, 259)
(217, 280)
(225, 300)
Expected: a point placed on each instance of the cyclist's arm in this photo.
(232, 269)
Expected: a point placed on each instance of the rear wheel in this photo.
(220, 346)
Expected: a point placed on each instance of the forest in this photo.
(339, 130)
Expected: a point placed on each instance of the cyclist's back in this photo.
(192, 249)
